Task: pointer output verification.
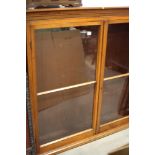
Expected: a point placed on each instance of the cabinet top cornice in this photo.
(77, 12)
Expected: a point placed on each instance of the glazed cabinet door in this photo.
(114, 92)
(65, 79)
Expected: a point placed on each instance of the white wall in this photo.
(105, 3)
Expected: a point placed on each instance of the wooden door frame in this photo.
(31, 27)
(124, 122)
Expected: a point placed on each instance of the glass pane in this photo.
(115, 103)
(64, 113)
(117, 56)
(65, 56)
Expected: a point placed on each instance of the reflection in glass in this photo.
(115, 102)
(65, 56)
(64, 113)
(117, 55)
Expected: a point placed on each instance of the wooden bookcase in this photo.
(78, 68)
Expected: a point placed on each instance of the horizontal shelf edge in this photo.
(65, 88)
(115, 77)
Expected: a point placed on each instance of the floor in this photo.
(102, 146)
